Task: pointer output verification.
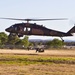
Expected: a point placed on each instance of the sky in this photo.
(39, 9)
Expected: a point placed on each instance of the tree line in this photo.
(16, 42)
(9, 40)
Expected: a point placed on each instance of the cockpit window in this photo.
(11, 26)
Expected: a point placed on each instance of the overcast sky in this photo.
(39, 9)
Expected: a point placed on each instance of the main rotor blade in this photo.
(34, 19)
(49, 19)
(12, 18)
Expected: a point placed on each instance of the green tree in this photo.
(19, 42)
(0, 42)
(25, 41)
(31, 44)
(48, 43)
(12, 39)
(56, 43)
(3, 38)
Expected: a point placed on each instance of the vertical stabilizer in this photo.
(72, 30)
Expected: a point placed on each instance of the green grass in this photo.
(34, 59)
(36, 65)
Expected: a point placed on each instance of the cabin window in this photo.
(15, 28)
(28, 29)
(25, 29)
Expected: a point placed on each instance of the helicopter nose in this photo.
(7, 29)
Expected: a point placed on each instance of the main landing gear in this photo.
(62, 39)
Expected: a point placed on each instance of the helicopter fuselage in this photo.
(34, 29)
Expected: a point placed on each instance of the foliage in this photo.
(55, 43)
(13, 39)
(25, 41)
(3, 38)
(31, 44)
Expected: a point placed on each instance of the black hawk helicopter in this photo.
(27, 28)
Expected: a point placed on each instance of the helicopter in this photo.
(27, 28)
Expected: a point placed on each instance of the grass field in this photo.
(51, 62)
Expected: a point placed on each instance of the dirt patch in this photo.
(33, 52)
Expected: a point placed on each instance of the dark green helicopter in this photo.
(27, 28)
